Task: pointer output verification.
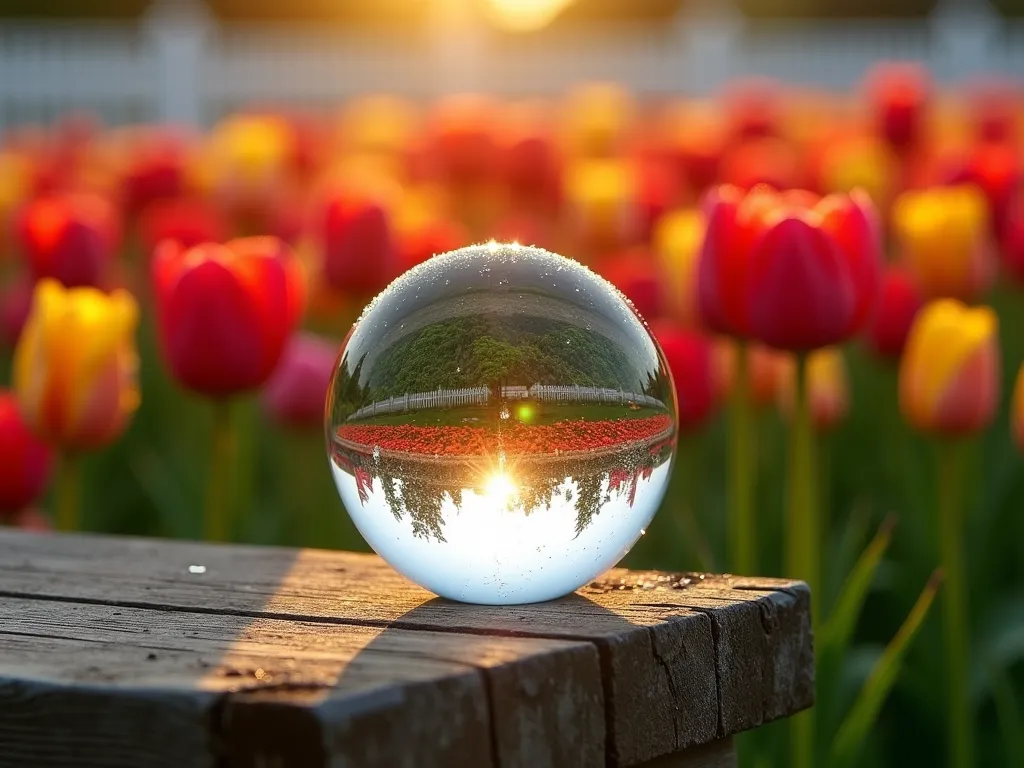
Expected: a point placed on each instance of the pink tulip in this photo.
(296, 393)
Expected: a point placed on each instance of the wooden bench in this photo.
(136, 652)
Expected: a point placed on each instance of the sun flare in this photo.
(500, 490)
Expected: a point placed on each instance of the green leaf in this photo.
(862, 717)
(838, 628)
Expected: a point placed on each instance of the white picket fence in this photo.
(178, 65)
(452, 398)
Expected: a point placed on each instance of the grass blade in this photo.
(862, 716)
(838, 628)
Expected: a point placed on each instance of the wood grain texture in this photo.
(684, 659)
(255, 691)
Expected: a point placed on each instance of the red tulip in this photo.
(354, 236)
(157, 171)
(898, 304)
(1013, 240)
(190, 221)
(695, 141)
(531, 170)
(296, 393)
(635, 273)
(753, 108)
(790, 271)
(24, 459)
(462, 140)
(226, 311)
(71, 238)
(993, 107)
(898, 94)
(693, 361)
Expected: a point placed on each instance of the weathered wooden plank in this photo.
(683, 663)
(86, 682)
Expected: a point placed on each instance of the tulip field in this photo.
(836, 280)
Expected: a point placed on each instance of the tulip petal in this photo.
(211, 331)
(852, 221)
(943, 235)
(970, 400)
(275, 284)
(945, 365)
(109, 324)
(804, 297)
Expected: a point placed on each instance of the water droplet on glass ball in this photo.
(501, 446)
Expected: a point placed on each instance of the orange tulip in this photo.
(856, 161)
(597, 119)
(378, 124)
(766, 367)
(1017, 412)
(949, 375)
(827, 387)
(75, 365)
(943, 236)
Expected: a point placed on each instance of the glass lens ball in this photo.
(501, 425)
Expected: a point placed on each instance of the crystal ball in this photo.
(501, 425)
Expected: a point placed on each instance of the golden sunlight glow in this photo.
(523, 15)
(500, 490)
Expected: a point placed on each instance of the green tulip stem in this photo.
(803, 537)
(217, 522)
(68, 492)
(954, 602)
(742, 469)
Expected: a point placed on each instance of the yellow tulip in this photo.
(75, 365)
(1017, 413)
(863, 162)
(601, 196)
(949, 374)
(677, 239)
(943, 234)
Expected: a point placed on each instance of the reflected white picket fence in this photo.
(453, 398)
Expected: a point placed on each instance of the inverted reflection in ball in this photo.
(501, 425)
